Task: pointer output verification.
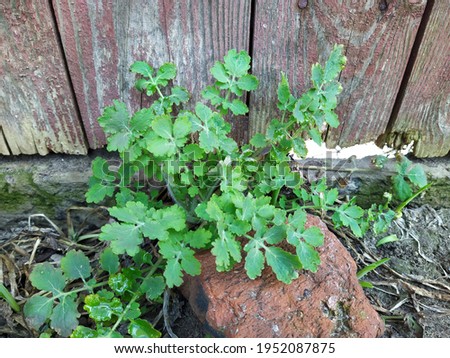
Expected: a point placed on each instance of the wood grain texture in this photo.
(102, 38)
(424, 114)
(290, 38)
(38, 112)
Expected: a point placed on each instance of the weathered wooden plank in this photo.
(424, 114)
(292, 35)
(102, 38)
(38, 112)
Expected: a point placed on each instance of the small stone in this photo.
(332, 301)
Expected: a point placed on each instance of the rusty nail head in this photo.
(302, 4)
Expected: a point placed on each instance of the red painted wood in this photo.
(291, 38)
(102, 38)
(38, 112)
(424, 114)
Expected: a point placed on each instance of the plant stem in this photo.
(172, 194)
(275, 195)
(407, 201)
(125, 311)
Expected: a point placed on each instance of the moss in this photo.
(19, 193)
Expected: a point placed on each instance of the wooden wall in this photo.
(65, 60)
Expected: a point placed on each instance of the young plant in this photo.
(183, 184)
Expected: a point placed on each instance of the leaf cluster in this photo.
(183, 184)
(113, 305)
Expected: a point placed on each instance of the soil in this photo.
(411, 292)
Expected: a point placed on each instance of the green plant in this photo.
(184, 185)
(408, 177)
(108, 308)
(4, 293)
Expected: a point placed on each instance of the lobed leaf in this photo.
(64, 318)
(237, 63)
(47, 278)
(153, 286)
(284, 264)
(37, 310)
(75, 265)
(109, 261)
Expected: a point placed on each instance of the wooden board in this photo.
(38, 112)
(101, 39)
(290, 36)
(424, 114)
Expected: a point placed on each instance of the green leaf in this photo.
(140, 328)
(299, 147)
(335, 63)
(248, 83)
(354, 211)
(172, 217)
(173, 273)
(109, 261)
(219, 72)
(315, 135)
(283, 91)
(179, 95)
(114, 118)
(308, 256)
(331, 196)
(259, 140)
(100, 170)
(143, 68)
(348, 215)
(37, 310)
(237, 107)
(167, 71)
(284, 264)
(361, 273)
(133, 312)
(75, 265)
(387, 239)
(225, 248)
(313, 236)
(133, 212)
(153, 286)
(298, 220)
(401, 188)
(254, 263)
(332, 119)
(84, 332)
(102, 309)
(298, 112)
(141, 120)
(317, 75)
(124, 238)
(114, 122)
(47, 278)
(275, 234)
(213, 95)
(163, 126)
(120, 283)
(236, 63)
(64, 318)
(182, 127)
(160, 147)
(417, 176)
(199, 238)
(365, 284)
(98, 191)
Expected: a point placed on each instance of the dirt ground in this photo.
(413, 295)
(411, 292)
